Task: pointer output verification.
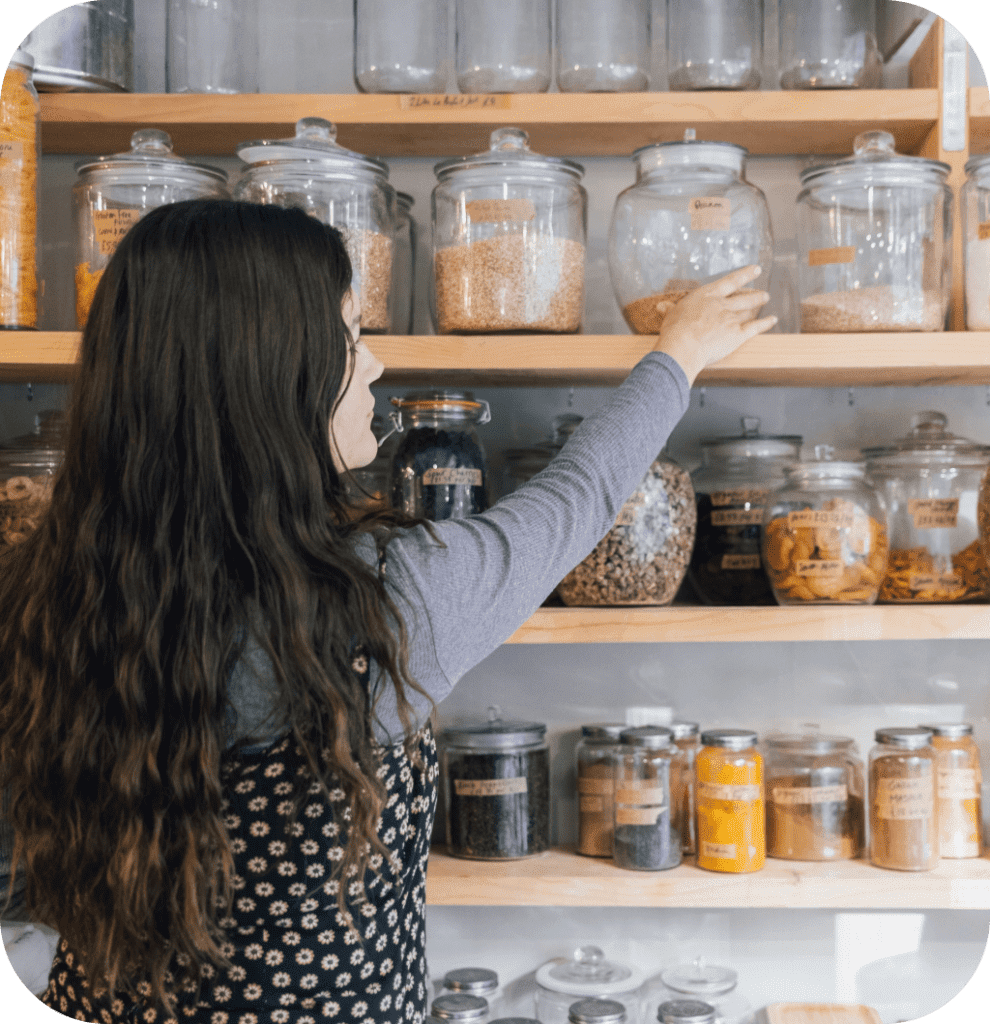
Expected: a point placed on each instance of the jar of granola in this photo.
(27, 470)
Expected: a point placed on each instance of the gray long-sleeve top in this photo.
(462, 601)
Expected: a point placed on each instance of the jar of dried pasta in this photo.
(930, 483)
(958, 788)
(596, 787)
(903, 808)
(27, 471)
(20, 151)
(825, 534)
(682, 785)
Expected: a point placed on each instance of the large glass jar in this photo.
(603, 45)
(27, 471)
(20, 151)
(438, 469)
(211, 47)
(587, 975)
(825, 534)
(958, 788)
(402, 296)
(875, 241)
(930, 482)
(503, 47)
(522, 464)
(596, 788)
(509, 231)
(682, 784)
(400, 47)
(829, 45)
(339, 187)
(496, 789)
(115, 192)
(974, 200)
(731, 487)
(690, 217)
(644, 557)
(714, 45)
(815, 796)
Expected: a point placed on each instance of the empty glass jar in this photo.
(829, 45)
(503, 47)
(974, 200)
(211, 47)
(400, 47)
(587, 975)
(716, 44)
(603, 45)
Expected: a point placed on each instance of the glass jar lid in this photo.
(45, 443)
(907, 738)
(686, 1011)
(876, 162)
(151, 152)
(459, 1006)
(949, 730)
(476, 981)
(929, 440)
(588, 973)
(684, 730)
(691, 152)
(405, 202)
(700, 979)
(596, 1011)
(449, 405)
(603, 731)
(652, 737)
(729, 739)
(22, 59)
(823, 467)
(563, 426)
(530, 460)
(751, 444)
(509, 148)
(809, 743)
(977, 166)
(496, 733)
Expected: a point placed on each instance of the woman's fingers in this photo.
(746, 299)
(732, 281)
(755, 327)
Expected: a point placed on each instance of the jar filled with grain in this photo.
(903, 807)
(596, 787)
(402, 295)
(875, 241)
(731, 486)
(958, 788)
(690, 217)
(930, 483)
(347, 190)
(974, 200)
(825, 534)
(587, 974)
(28, 465)
(682, 784)
(20, 153)
(815, 797)
(509, 235)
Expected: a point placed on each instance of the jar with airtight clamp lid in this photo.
(587, 974)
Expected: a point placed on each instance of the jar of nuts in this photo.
(27, 468)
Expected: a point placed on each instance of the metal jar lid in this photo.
(495, 734)
(596, 1011)
(603, 731)
(22, 59)
(652, 737)
(690, 152)
(949, 730)
(515, 1020)
(476, 981)
(459, 1006)
(684, 730)
(588, 974)
(809, 743)
(875, 162)
(444, 404)
(929, 440)
(686, 1011)
(729, 739)
(751, 444)
(508, 148)
(151, 152)
(905, 738)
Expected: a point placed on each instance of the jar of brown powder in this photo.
(958, 785)
(596, 788)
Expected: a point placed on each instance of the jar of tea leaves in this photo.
(596, 788)
(958, 787)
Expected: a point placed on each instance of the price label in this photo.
(719, 851)
(637, 815)
(710, 213)
(958, 784)
(13, 151)
(717, 791)
(110, 226)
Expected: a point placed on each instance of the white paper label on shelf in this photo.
(12, 151)
(820, 517)
(591, 805)
(788, 796)
(718, 791)
(640, 796)
(500, 211)
(819, 568)
(710, 213)
(719, 851)
(489, 787)
(637, 815)
(735, 562)
(835, 254)
(482, 101)
(905, 799)
(740, 496)
(958, 784)
(737, 517)
(934, 513)
(446, 476)
(600, 787)
(983, 230)
(110, 226)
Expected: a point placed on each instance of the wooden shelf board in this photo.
(979, 120)
(562, 878)
(560, 123)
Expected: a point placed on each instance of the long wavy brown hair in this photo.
(198, 495)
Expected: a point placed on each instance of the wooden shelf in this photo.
(563, 879)
(979, 120)
(560, 123)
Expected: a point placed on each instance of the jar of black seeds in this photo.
(497, 789)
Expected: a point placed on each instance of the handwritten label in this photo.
(735, 562)
(822, 517)
(825, 568)
(13, 151)
(637, 815)
(984, 230)
(906, 799)
(934, 513)
(445, 476)
(489, 787)
(738, 517)
(958, 784)
(716, 791)
(640, 796)
(788, 797)
(719, 851)
(489, 101)
(740, 496)
(837, 254)
(591, 805)
(599, 787)
(110, 226)
(930, 581)
(710, 213)
(498, 211)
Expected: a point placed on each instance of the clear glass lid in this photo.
(691, 152)
(810, 743)
(751, 444)
(509, 148)
(699, 978)
(45, 441)
(588, 973)
(876, 162)
(151, 152)
(929, 440)
(825, 467)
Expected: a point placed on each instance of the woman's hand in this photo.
(713, 320)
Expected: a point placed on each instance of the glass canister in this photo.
(587, 975)
(709, 984)
(503, 47)
(211, 47)
(509, 233)
(400, 47)
(682, 784)
(828, 45)
(729, 772)
(974, 201)
(958, 786)
(522, 464)
(875, 241)
(497, 789)
(402, 295)
(339, 187)
(113, 193)
(597, 1011)
(825, 534)
(596, 788)
(903, 808)
(474, 981)
(690, 217)
(461, 1007)
(603, 45)
(731, 488)
(27, 471)
(717, 44)
(687, 1011)
(815, 793)
(20, 152)
(930, 483)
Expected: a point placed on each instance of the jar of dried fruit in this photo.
(825, 534)
(27, 470)
(930, 483)
(509, 235)
(690, 217)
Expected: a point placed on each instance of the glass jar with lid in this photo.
(603, 45)
(709, 984)
(347, 190)
(815, 795)
(460, 1007)
(211, 47)
(20, 153)
(958, 787)
(974, 201)
(731, 488)
(828, 45)
(682, 785)
(503, 47)
(687, 1011)
(114, 192)
(474, 981)
(930, 483)
(522, 464)
(509, 235)
(496, 778)
(825, 534)
(587, 975)
(690, 217)
(403, 292)
(903, 805)
(597, 1011)
(715, 45)
(400, 47)
(875, 241)
(596, 787)
(28, 465)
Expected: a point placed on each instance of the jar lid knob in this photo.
(874, 144)
(317, 128)
(750, 426)
(824, 452)
(503, 139)
(929, 422)
(494, 713)
(151, 140)
(588, 957)
(690, 135)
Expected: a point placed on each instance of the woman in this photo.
(216, 687)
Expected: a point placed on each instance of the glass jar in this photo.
(456, 1006)
(596, 788)
(27, 471)
(403, 291)
(828, 45)
(708, 984)
(731, 487)
(687, 1011)
(400, 47)
(603, 46)
(930, 483)
(690, 217)
(974, 201)
(958, 786)
(875, 241)
(509, 231)
(522, 464)
(438, 469)
(503, 47)
(113, 193)
(211, 47)
(586, 975)
(815, 798)
(682, 787)
(597, 1011)
(714, 45)
(367, 487)
(729, 771)
(339, 187)
(903, 809)
(20, 152)
(497, 789)
(825, 534)
(474, 981)
(642, 560)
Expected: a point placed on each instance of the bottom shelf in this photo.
(563, 878)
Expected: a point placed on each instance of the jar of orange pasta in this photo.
(731, 829)
(20, 149)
